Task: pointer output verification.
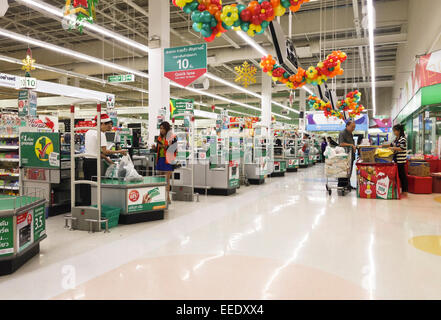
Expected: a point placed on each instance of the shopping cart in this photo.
(336, 168)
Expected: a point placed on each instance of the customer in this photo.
(346, 140)
(399, 146)
(324, 145)
(91, 148)
(165, 153)
(332, 143)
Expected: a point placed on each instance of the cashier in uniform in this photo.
(91, 147)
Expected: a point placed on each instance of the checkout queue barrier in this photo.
(84, 217)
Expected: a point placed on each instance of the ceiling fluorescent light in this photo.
(252, 43)
(215, 96)
(42, 6)
(254, 94)
(216, 78)
(68, 52)
(371, 27)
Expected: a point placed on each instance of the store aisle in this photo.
(283, 240)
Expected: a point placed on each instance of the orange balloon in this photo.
(275, 3)
(218, 16)
(213, 9)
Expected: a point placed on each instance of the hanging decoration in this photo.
(325, 70)
(212, 19)
(246, 74)
(28, 63)
(351, 105)
(78, 13)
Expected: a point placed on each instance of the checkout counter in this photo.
(139, 201)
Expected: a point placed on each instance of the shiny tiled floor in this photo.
(283, 240)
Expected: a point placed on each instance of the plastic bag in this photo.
(127, 171)
(340, 150)
(112, 171)
(329, 152)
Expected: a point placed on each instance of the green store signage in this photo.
(39, 223)
(6, 237)
(40, 150)
(181, 106)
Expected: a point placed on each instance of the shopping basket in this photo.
(111, 214)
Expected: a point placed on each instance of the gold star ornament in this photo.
(28, 63)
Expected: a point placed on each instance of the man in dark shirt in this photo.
(346, 140)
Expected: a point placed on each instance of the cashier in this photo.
(91, 148)
(346, 140)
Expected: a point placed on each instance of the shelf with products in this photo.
(9, 153)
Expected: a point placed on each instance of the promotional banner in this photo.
(51, 122)
(146, 199)
(317, 121)
(186, 64)
(40, 150)
(25, 234)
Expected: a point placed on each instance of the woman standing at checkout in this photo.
(91, 148)
(399, 146)
(166, 147)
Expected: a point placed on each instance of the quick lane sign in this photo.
(186, 64)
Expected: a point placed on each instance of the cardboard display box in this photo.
(419, 168)
(367, 153)
(389, 159)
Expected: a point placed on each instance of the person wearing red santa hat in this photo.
(91, 148)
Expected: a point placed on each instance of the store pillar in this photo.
(159, 87)
(266, 99)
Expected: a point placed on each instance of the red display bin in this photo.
(436, 183)
(435, 166)
(420, 185)
(378, 181)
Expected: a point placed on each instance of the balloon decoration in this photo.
(246, 74)
(212, 19)
(325, 70)
(350, 104)
(77, 13)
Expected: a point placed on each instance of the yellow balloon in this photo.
(279, 10)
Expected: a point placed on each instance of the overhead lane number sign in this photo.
(186, 64)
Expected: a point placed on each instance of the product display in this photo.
(237, 150)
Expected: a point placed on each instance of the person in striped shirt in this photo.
(399, 146)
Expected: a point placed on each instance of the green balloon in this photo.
(196, 16)
(265, 24)
(245, 26)
(197, 27)
(213, 22)
(206, 17)
(285, 3)
(241, 7)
